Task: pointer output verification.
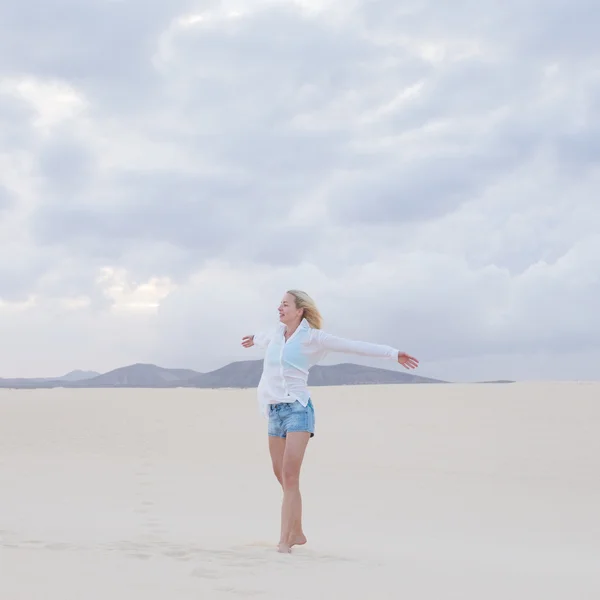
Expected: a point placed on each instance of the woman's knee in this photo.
(290, 476)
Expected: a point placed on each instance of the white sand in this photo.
(444, 492)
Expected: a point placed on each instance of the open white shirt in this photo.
(286, 364)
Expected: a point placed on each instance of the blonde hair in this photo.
(311, 312)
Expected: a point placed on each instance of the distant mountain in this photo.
(140, 375)
(78, 375)
(351, 374)
(21, 382)
(244, 374)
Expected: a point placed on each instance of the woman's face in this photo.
(288, 313)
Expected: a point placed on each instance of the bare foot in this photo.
(298, 539)
(284, 548)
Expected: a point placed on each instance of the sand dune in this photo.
(442, 491)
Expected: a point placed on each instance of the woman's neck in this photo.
(290, 329)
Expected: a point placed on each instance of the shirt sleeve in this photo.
(262, 339)
(332, 343)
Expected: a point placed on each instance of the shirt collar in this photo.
(303, 325)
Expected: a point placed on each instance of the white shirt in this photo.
(286, 364)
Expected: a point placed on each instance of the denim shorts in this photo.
(291, 416)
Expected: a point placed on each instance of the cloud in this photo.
(427, 172)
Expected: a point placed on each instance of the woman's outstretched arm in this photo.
(260, 339)
(334, 343)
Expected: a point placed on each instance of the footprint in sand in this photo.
(239, 591)
(58, 547)
(204, 573)
(141, 556)
(33, 544)
(7, 546)
(178, 554)
(151, 526)
(132, 550)
(154, 526)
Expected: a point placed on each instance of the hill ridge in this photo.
(238, 374)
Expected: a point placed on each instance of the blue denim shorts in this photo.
(291, 416)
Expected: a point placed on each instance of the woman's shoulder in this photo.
(314, 334)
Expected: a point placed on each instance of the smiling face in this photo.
(288, 313)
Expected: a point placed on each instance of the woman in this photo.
(292, 349)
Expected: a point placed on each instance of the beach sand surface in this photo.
(479, 492)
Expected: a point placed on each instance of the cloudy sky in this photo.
(428, 171)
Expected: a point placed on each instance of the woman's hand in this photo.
(248, 341)
(409, 362)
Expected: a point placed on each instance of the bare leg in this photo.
(277, 450)
(291, 509)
